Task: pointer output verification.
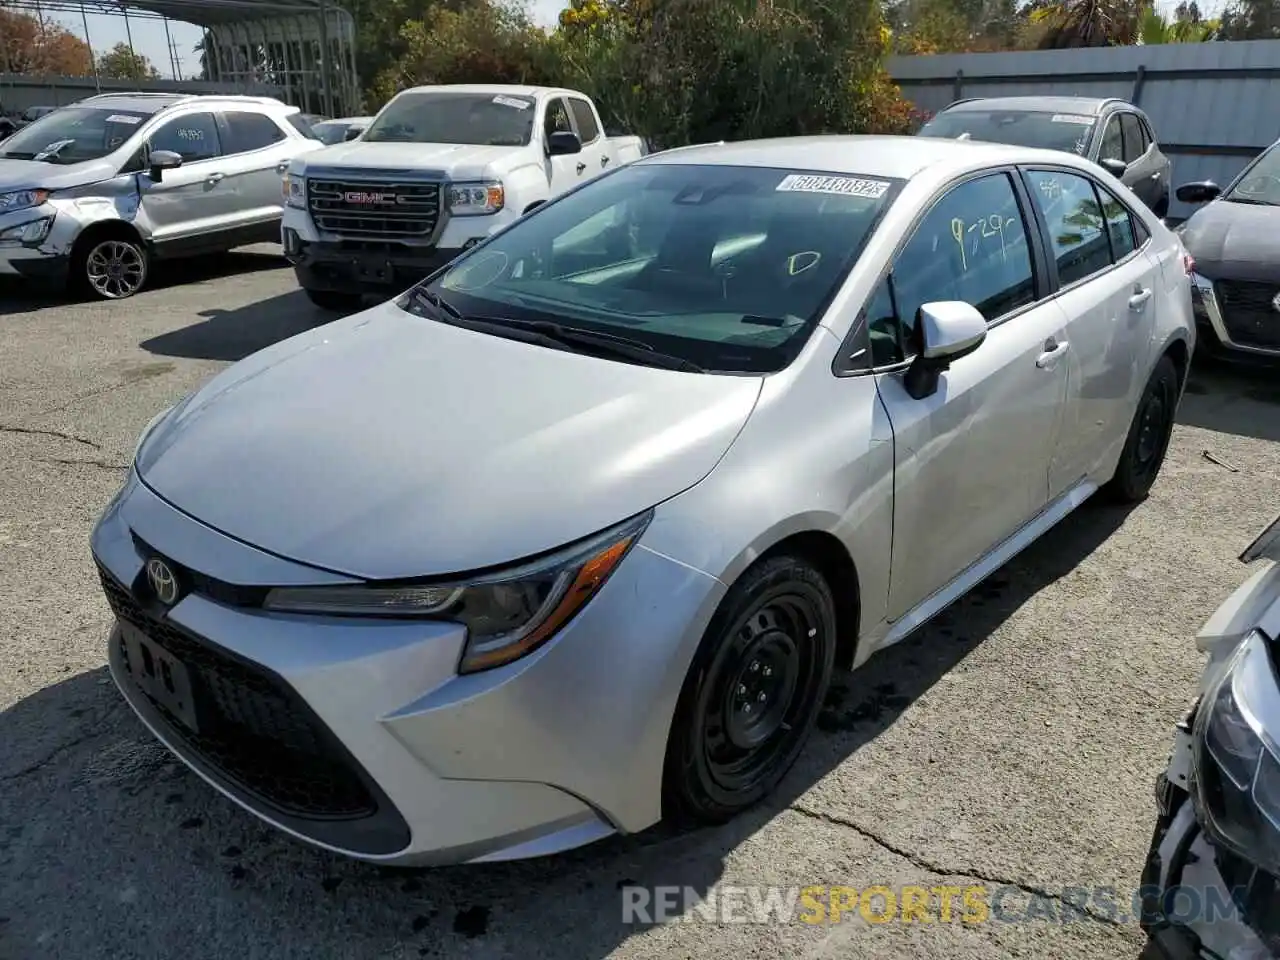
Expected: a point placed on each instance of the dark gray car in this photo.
(1111, 132)
(1235, 242)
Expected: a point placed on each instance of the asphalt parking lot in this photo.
(1013, 742)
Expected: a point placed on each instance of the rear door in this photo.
(1106, 294)
(971, 461)
(595, 148)
(255, 147)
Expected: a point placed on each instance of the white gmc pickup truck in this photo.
(438, 170)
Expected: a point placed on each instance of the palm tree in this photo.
(1090, 23)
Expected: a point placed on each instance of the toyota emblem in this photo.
(163, 581)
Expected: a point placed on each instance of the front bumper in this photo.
(358, 736)
(1232, 325)
(31, 248)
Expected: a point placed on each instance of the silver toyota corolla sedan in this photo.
(572, 535)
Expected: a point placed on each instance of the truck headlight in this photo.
(1235, 760)
(294, 190)
(22, 199)
(475, 199)
(508, 614)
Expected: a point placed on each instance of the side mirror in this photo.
(162, 160)
(1113, 166)
(353, 133)
(946, 330)
(1201, 191)
(562, 143)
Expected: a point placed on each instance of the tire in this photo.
(334, 300)
(774, 636)
(110, 266)
(1148, 440)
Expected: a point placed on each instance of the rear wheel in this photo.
(1148, 440)
(752, 693)
(334, 300)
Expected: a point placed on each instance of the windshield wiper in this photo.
(437, 303)
(607, 343)
(1251, 201)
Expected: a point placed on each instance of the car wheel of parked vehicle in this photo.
(1149, 434)
(334, 300)
(111, 268)
(752, 693)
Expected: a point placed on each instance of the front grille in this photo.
(254, 729)
(1248, 314)
(374, 209)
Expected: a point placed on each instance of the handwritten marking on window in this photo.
(983, 228)
(798, 263)
(1050, 187)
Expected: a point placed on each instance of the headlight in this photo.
(21, 199)
(146, 431)
(1236, 759)
(475, 199)
(294, 190)
(507, 614)
(32, 232)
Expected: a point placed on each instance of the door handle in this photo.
(581, 166)
(1139, 299)
(604, 161)
(1054, 351)
(214, 178)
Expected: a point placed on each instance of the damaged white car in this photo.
(92, 193)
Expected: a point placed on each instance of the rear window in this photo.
(1068, 132)
(729, 267)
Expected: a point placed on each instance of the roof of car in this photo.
(873, 156)
(349, 121)
(141, 102)
(1091, 106)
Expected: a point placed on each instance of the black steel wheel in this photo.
(1148, 440)
(753, 692)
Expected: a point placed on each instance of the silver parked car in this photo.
(1111, 132)
(93, 192)
(572, 535)
(341, 130)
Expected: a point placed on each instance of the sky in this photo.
(149, 35)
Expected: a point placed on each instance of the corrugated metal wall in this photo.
(1214, 105)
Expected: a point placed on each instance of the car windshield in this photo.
(500, 120)
(1068, 132)
(1260, 182)
(330, 132)
(73, 135)
(725, 267)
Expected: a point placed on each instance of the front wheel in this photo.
(334, 300)
(752, 693)
(112, 268)
(1148, 440)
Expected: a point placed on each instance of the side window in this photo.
(1112, 141)
(194, 136)
(971, 246)
(557, 118)
(1132, 134)
(883, 329)
(585, 118)
(1076, 226)
(1119, 224)
(246, 131)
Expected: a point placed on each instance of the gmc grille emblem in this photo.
(366, 197)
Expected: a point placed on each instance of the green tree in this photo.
(123, 63)
(1250, 20)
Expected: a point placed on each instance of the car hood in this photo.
(453, 160)
(1235, 241)
(387, 445)
(29, 174)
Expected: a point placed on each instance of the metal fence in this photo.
(1213, 105)
(19, 91)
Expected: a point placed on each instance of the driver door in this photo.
(972, 460)
(193, 203)
(566, 171)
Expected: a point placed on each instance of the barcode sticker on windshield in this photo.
(511, 102)
(1071, 118)
(845, 186)
(123, 118)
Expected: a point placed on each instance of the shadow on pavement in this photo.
(22, 297)
(1226, 398)
(232, 335)
(106, 842)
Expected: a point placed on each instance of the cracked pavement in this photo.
(1012, 742)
